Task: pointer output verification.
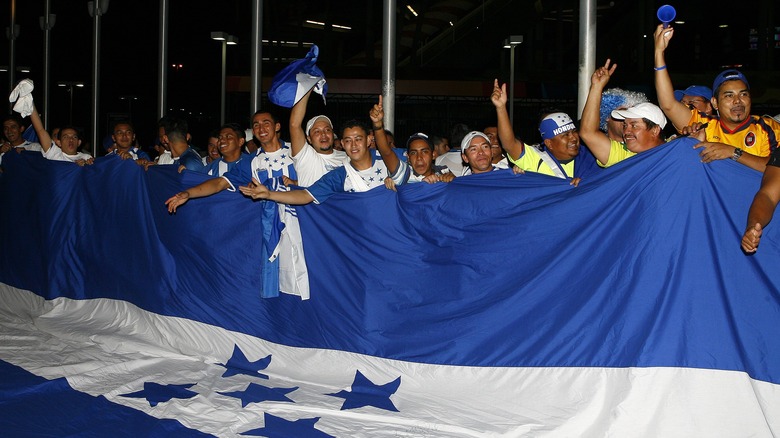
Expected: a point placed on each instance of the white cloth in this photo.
(165, 158)
(22, 95)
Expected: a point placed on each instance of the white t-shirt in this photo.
(56, 154)
(311, 165)
(165, 158)
(452, 160)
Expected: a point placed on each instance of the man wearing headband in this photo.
(732, 133)
(312, 151)
(560, 154)
(642, 124)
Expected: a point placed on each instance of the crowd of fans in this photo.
(319, 161)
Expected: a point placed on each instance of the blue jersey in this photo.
(220, 167)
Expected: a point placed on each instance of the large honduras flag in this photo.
(497, 305)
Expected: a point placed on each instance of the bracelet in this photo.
(378, 128)
(663, 67)
(737, 154)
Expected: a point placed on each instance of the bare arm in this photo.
(762, 209)
(377, 115)
(206, 188)
(597, 141)
(297, 136)
(513, 147)
(43, 135)
(712, 151)
(676, 111)
(256, 190)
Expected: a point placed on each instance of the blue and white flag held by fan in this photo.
(295, 80)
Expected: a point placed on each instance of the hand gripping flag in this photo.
(295, 80)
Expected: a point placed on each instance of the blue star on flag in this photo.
(255, 393)
(156, 393)
(366, 393)
(239, 364)
(276, 427)
(378, 171)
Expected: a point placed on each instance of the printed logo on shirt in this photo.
(750, 139)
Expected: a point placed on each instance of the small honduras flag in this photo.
(295, 80)
(29, 134)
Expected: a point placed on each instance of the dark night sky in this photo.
(130, 32)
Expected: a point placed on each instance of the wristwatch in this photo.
(737, 154)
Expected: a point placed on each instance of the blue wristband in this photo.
(663, 67)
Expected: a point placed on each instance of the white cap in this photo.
(642, 111)
(470, 136)
(314, 119)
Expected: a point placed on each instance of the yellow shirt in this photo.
(617, 153)
(530, 161)
(757, 135)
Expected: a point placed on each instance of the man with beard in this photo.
(560, 154)
(642, 124)
(312, 151)
(732, 132)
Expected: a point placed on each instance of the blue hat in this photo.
(554, 124)
(419, 136)
(694, 90)
(729, 75)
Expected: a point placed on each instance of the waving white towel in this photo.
(22, 95)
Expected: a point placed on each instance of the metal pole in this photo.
(70, 98)
(512, 84)
(97, 12)
(224, 86)
(12, 32)
(162, 60)
(388, 64)
(256, 73)
(47, 23)
(587, 62)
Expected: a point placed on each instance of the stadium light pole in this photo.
(96, 9)
(511, 43)
(47, 23)
(231, 40)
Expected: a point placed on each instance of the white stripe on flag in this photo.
(111, 348)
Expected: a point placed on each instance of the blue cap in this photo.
(694, 90)
(554, 124)
(729, 75)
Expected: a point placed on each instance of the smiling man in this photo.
(560, 154)
(642, 124)
(229, 143)
(731, 132)
(477, 152)
(312, 150)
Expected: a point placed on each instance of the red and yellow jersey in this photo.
(757, 135)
